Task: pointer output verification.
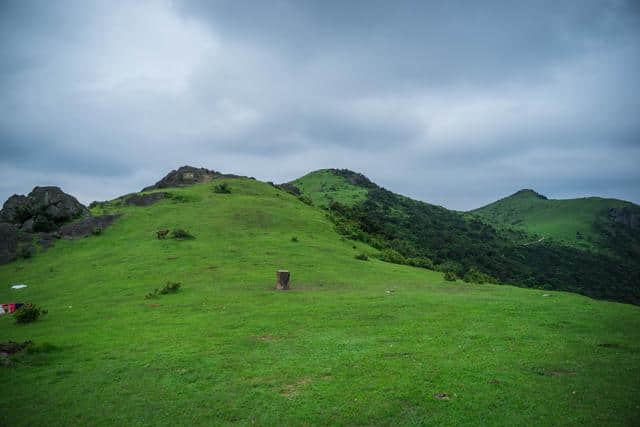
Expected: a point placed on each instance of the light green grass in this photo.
(570, 221)
(353, 342)
(323, 187)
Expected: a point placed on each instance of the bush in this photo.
(179, 233)
(294, 239)
(96, 231)
(306, 200)
(389, 255)
(28, 313)
(422, 262)
(450, 276)
(169, 288)
(222, 188)
(362, 257)
(476, 276)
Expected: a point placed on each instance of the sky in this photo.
(456, 103)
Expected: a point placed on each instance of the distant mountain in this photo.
(590, 223)
(484, 244)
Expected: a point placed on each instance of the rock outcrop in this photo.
(8, 242)
(44, 209)
(38, 215)
(188, 175)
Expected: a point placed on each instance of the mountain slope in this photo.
(590, 223)
(354, 342)
(474, 249)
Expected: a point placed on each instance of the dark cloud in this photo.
(456, 103)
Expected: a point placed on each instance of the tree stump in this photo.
(282, 280)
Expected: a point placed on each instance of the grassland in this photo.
(354, 342)
(569, 221)
(324, 186)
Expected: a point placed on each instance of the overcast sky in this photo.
(453, 103)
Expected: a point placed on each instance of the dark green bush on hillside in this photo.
(222, 188)
(476, 276)
(305, 200)
(362, 257)
(179, 233)
(169, 288)
(28, 313)
(450, 276)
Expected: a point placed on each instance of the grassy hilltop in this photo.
(353, 342)
(582, 223)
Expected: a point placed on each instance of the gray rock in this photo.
(84, 227)
(56, 205)
(16, 209)
(188, 175)
(27, 226)
(144, 199)
(8, 242)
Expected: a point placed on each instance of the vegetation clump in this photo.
(96, 231)
(28, 313)
(179, 233)
(362, 257)
(450, 276)
(169, 288)
(294, 239)
(222, 188)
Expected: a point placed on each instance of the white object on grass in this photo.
(18, 286)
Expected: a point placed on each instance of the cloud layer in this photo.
(455, 104)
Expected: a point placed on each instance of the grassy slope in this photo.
(560, 220)
(323, 187)
(337, 349)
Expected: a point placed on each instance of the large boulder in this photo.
(56, 205)
(17, 209)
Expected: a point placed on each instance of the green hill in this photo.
(469, 246)
(353, 342)
(587, 223)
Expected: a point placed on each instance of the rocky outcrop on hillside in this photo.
(42, 216)
(188, 175)
(44, 209)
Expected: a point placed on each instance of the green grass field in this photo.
(353, 342)
(323, 187)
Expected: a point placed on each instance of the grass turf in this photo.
(354, 342)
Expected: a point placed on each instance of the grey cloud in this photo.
(455, 103)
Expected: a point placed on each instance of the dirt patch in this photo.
(86, 226)
(144, 199)
(8, 348)
(610, 345)
(441, 396)
(266, 338)
(291, 390)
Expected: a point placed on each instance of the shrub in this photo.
(306, 200)
(389, 255)
(169, 288)
(450, 276)
(294, 239)
(222, 188)
(476, 276)
(362, 257)
(96, 231)
(28, 313)
(422, 262)
(26, 251)
(179, 233)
